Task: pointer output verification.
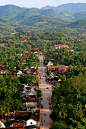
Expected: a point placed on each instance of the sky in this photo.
(38, 3)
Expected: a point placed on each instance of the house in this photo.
(26, 52)
(9, 115)
(50, 64)
(57, 46)
(35, 73)
(63, 46)
(2, 72)
(32, 121)
(51, 75)
(28, 93)
(32, 93)
(24, 63)
(9, 73)
(26, 71)
(13, 57)
(50, 68)
(56, 68)
(22, 86)
(62, 70)
(54, 80)
(19, 73)
(3, 44)
(33, 67)
(36, 53)
(72, 39)
(27, 117)
(24, 115)
(53, 60)
(18, 125)
(29, 105)
(84, 34)
(1, 66)
(20, 54)
(24, 57)
(23, 40)
(2, 125)
(31, 49)
(29, 99)
(2, 120)
(72, 50)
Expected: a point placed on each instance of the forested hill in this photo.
(11, 11)
(78, 24)
(43, 24)
(16, 19)
(70, 7)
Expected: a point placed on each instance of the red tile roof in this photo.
(57, 46)
(31, 48)
(18, 125)
(1, 65)
(68, 49)
(62, 70)
(3, 43)
(82, 55)
(65, 46)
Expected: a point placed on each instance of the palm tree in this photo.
(2, 107)
(78, 112)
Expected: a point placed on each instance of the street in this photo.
(46, 95)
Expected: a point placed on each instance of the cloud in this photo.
(30, 3)
(38, 3)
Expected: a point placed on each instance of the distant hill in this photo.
(8, 27)
(78, 24)
(16, 19)
(70, 7)
(80, 15)
(12, 12)
(38, 20)
(9, 11)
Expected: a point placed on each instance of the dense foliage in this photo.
(69, 96)
(15, 19)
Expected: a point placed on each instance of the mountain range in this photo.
(70, 7)
(16, 19)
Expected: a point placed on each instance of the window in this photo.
(30, 122)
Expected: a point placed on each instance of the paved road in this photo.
(46, 95)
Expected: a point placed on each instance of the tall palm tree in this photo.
(2, 107)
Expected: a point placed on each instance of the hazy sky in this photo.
(38, 3)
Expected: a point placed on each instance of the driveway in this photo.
(46, 95)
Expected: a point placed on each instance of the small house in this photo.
(19, 73)
(57, 46)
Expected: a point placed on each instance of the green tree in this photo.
(59, 125)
